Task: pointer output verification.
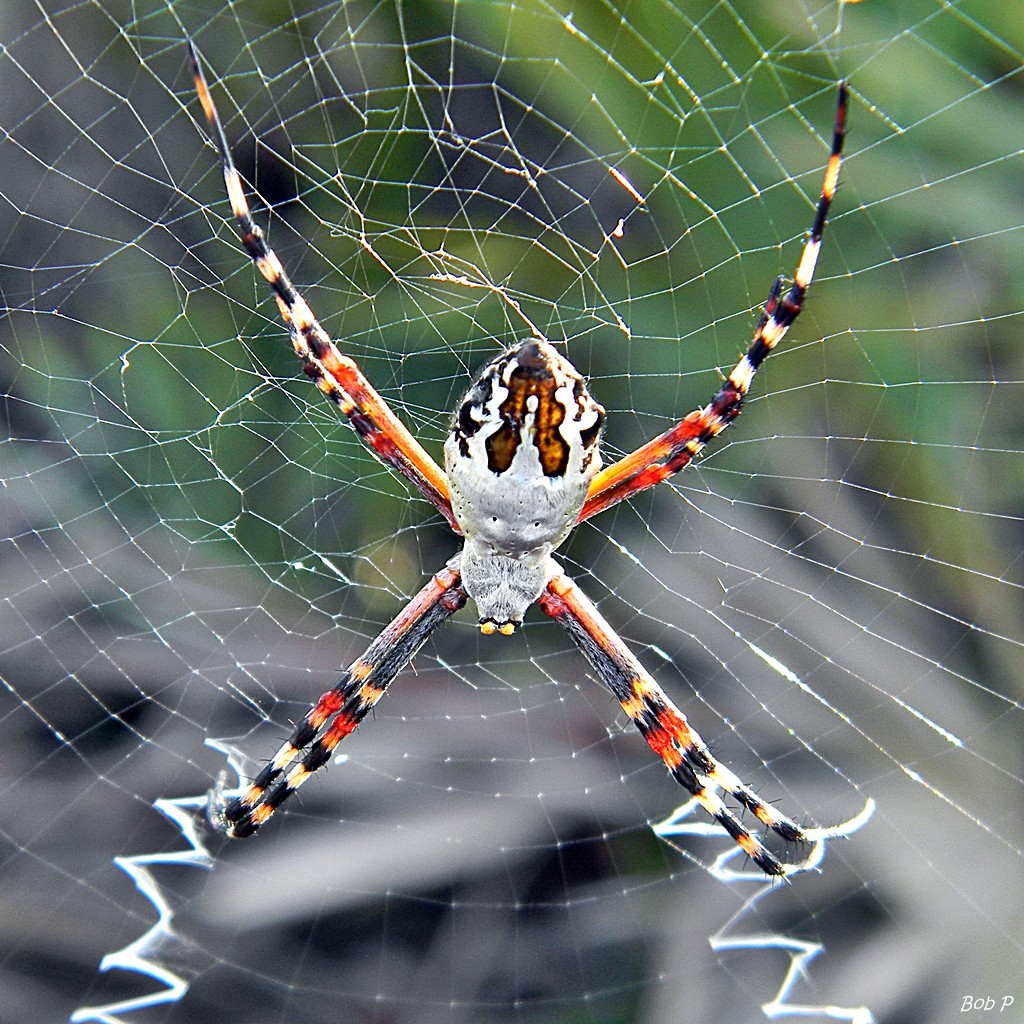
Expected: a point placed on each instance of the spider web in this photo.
(194, 544)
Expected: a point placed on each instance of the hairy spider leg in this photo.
(668, 453)
(343, 707)
(336, 375)
(665, 727)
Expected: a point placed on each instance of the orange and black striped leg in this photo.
(665, 727)
(670, 452)
(341, 709)
(336, 375)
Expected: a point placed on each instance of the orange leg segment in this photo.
(348, 703)
(336, 375)
(668, 453)
(664, 726)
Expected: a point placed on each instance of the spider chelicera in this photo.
(522, 468)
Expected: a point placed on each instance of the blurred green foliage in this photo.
(411, 151)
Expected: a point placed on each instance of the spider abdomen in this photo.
(522, 450)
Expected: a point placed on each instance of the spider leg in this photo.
(341, 709)
(671, 451)
(336, 375)
(664, 726)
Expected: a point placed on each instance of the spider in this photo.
(522, 469)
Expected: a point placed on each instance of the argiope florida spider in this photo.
(522, 468)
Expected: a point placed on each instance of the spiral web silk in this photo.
(194, 544)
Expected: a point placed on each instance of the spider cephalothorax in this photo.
(522, 451)
(522, 468)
